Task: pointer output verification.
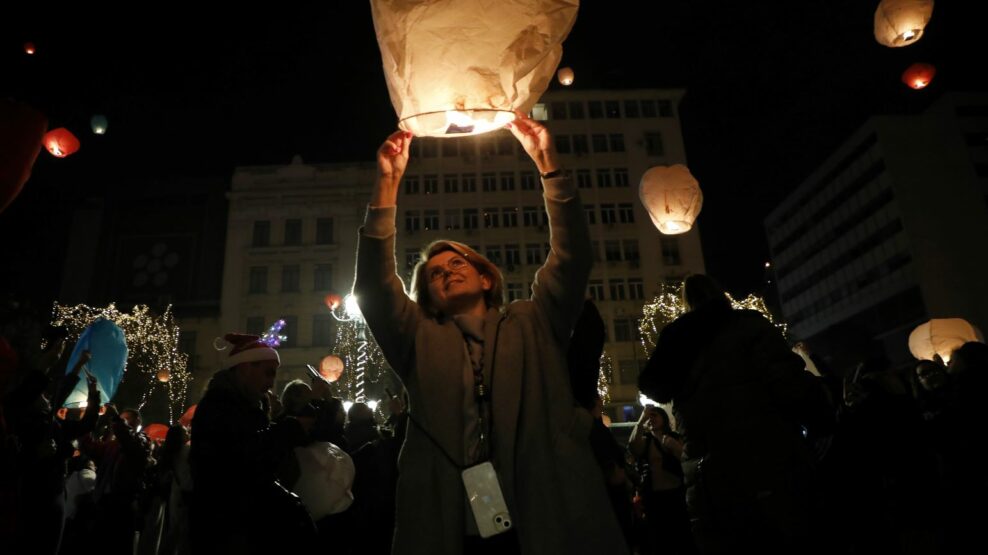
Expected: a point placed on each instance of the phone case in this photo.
(486, 500)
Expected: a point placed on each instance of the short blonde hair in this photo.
(494, 297)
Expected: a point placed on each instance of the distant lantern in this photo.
(918, 76)
(333, 301)
(565, 76)
(29, 48)
(461, 67)
(61, 142)
(672, 197)
(941, 337)
(331, 368)
(901, 22)
(99, 124)
(164, 375)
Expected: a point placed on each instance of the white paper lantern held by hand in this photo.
(901, 22)
(941, 337)
(672, 197)
(460, 67)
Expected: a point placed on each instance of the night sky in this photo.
(772, 88)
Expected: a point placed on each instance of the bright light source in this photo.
(372, 405)
(352, 308)
(347, 405)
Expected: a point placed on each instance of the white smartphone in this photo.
(486, 500)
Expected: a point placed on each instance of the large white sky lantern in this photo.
(941, 337)
(901, 22)
(460, 67)
(672, 197)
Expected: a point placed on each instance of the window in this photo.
(596, 290)
(613, 109)
(653, 144)
(486, 146)
(530, 216)
(469, 182)
(636, 289)
(429, 148)
(489, 182)
(599, 142)
(558, 110)
(515, 291)
(512, 255)
(631, 108)
(628, 371)
(290, 331)
(324, 231)
(617, 142)
(583, 180)
(576, 109)
(626, 214)
(607, 214)
(430, 220)
(528, 181)
(622, 329)
(617, 289)
(293, 232)
(412, 185)
(505, 143)
(453, 218)
(648, 109)
(255, 325)
(591, 213)
(596, 109)
(580, 145)
(595, 249)
(509, 217)
(411, 220)
(323, 330)
(562, 144)
(262, 233)
(612, 251)
(539, 112)
(533, 254)
(604, 178)
(471, 217)
(322, 278)
(492, 218)
(621, 177)
(430, 184)
(493, 253)
(258, 281)
(450, 148)
(289, 278)
(665, 108)
(631, 250)
(411, 258)
(670, 251)
(507, 182)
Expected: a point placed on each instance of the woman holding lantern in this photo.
(487, 383)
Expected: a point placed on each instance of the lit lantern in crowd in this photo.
(156, 432)
(331, 368)
(22, 130)
(672, 197)
(333, 301)
(186, 419)
(29, 48)
(164, 375)
(918, 76)
(99, 124)
(941, 337)
(460, 67)
(901, 22)
(61, 142)
(565, 76)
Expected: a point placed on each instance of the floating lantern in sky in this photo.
(565, 76)
(461, 67)
(332, 301)
(163, 375)
(901, 22)
(29, 48)
(331, 368)
(941, 337)
(672, 197)
(61, 142)
(919, 75)
(99, 124)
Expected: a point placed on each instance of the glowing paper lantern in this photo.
(105, 341)
(918, 75)
(941, 337)
(460, 67)
(186, 419)
(901, 22)
(61, 142)
(325, 479)
(672, 197)
(331, 368)
(163, 375)
(29, 48)
(22, 130)
(99, 124)
(333, 301)
(156, 432)
(565, 76)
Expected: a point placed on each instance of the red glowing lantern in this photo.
(21, 132)
(61, 142)
(156, 432)
(29, 48)
(333, 301)
(918, 75)
(186, 419)
(331, 368)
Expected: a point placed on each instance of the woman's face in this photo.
(454, 283)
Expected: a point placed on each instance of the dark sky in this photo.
(771, 86)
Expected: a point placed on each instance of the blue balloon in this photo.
(108, 346)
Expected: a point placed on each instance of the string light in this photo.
(273, 338)
(362, 357)
(152, 343)
(605, 377)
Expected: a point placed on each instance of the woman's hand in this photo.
(536, 140)
(392, 158)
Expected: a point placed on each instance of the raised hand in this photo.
(392, 158)
(536, 140)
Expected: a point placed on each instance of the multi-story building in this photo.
(889, 231)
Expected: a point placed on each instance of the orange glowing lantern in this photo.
(156, 432)
(29, 48)
(565, 76)
(61, 142)
(164, 375)
(186, 419)
(333, 301)
(901, 22)
(918, 75)
(331, 368)
(672, 197)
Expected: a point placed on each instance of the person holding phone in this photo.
(487, 383)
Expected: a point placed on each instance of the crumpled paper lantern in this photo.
(156, 432)
(331, 368)
(901, 22)
(460, 67)
(672, 197)
(22, 130)
(941, 337)
(919, 75)
(61, 142)
(325, 479)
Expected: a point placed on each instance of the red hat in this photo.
(248, 348)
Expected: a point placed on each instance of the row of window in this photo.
(322, 278)
(503, 144)
(611, 109)
(492, 218)
(508, 181)
(293, 232)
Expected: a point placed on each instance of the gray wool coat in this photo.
(552, 485)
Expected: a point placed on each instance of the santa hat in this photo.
(247, 348)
